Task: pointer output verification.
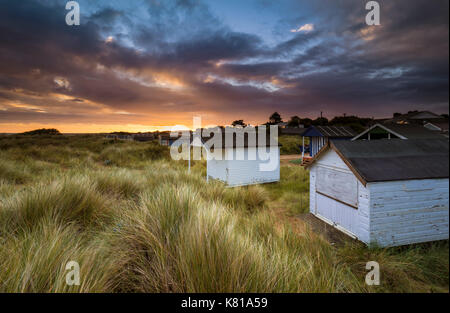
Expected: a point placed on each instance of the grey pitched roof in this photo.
(404, 131)
(242, 142)
(395, 159)
(420, 115)
(412, 131)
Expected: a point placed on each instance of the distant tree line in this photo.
(356, 123)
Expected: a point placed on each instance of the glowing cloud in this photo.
(304, 28)
(62, 82)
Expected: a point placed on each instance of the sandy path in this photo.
(290, 156)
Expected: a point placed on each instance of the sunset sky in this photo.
(140, 65)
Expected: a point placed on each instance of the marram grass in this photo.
(142, 223)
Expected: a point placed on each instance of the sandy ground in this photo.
(290, 156)
(284, 159)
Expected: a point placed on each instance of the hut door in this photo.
(337, 197)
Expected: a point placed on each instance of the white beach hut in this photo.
(384, 192)
(241, 163)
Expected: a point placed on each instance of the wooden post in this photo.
(189, 160)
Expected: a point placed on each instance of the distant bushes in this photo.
(291, 144)
(42, 131)
(81, 150)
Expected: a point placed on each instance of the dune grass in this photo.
(291, 144)
(292, 192)
(142, 223)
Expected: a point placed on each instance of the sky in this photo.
(143, 65)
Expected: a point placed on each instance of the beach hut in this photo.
(383, 192)
(319, 136)
(241, 164)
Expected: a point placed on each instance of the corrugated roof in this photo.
(336, 131)
(396, 159)
(330, 131)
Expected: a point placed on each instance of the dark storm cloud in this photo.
(185, 59)
(106, 15)
(261, 71)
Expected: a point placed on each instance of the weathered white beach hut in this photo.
(384, 192)
(241, 163)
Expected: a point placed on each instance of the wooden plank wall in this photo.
(406, 212)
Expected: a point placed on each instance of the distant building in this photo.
(166, 139)
(120, 136)
(415, 117)
(144, 137)
(384, 192)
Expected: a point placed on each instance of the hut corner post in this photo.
(303, 147)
